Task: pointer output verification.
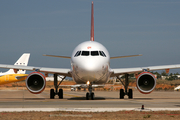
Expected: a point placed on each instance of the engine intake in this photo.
(146, 82)
(35, 82)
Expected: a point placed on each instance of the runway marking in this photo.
(84, 109)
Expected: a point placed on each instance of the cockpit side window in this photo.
(85, 53)
(94, 53)
(102, 53)
(77, 53)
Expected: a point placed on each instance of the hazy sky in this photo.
(151, 28)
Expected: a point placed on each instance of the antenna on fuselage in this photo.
(92, 22)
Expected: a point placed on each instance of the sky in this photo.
(56, 27)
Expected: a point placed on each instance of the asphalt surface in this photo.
(76, 99)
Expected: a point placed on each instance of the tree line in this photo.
(170, 76)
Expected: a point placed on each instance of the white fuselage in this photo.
(90, 62)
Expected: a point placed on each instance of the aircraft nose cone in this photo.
(91, 70)
(91, 66)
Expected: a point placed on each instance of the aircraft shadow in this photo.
(84, 98)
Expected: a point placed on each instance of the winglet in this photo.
(92, 22)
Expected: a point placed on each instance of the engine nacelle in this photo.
(146, 82)
(35, 82)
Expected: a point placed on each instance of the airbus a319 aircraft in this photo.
(14, 75)
(90, 64)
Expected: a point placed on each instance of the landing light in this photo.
(88, 83)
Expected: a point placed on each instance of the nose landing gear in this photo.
(90, 94)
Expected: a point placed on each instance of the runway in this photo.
(74, 100)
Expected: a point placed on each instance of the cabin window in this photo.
(85, 53)
(94, 53)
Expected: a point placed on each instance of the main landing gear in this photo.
(56, 85)
(126, 92)
(90, 94)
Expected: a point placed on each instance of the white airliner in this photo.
(15, 75)
(90, 64)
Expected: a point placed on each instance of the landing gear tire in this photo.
(92, 96)
(121, 94)
(52, 94)
(60, 93)
(130, 94)
(87, 96)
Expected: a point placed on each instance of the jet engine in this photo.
(35, 82)
(146, 82)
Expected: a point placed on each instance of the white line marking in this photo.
(85, 109)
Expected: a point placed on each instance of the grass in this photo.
(120, 115)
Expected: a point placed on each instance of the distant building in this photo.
(163, 77)
(178, 76)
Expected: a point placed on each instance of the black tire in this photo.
(121, 94)
(52, 94)
(87, 96)
(130, 94)
(92, 96)
(60, 93)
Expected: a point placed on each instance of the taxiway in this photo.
(76, 99)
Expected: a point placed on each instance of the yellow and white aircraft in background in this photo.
(15, 75)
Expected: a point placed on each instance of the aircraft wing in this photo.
(57, 56)
(60, 71)
(125, 56)
(117, 72)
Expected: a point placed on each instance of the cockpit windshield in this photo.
(90, 53)
(94, 53)
(85, 53)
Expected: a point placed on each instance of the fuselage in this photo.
(90, 62)
(9, 78)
